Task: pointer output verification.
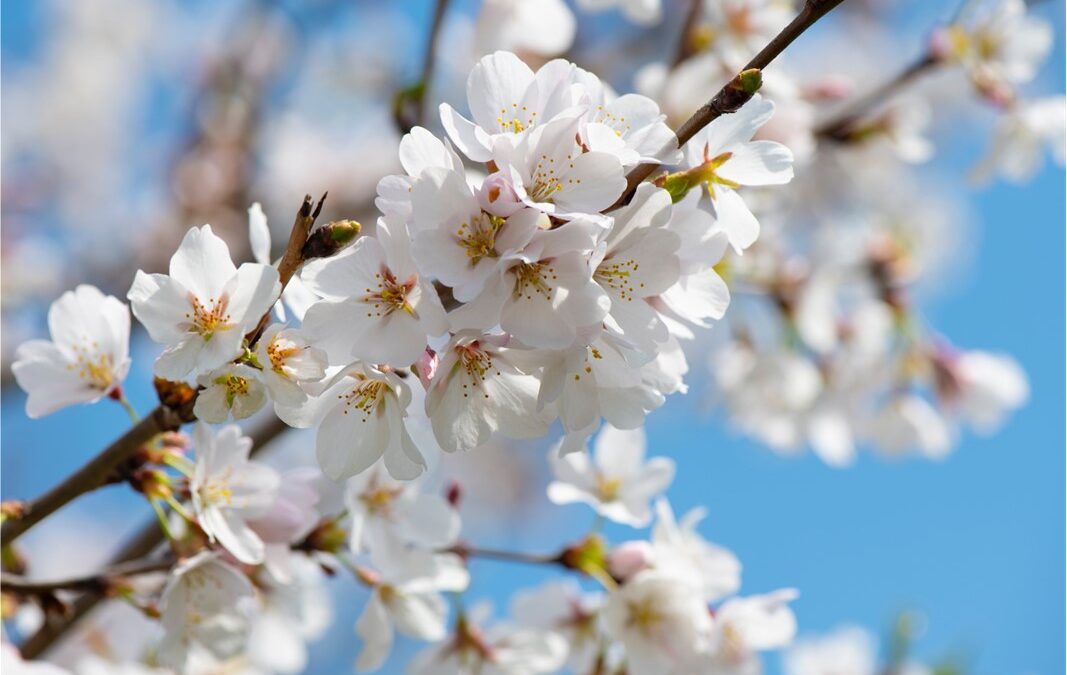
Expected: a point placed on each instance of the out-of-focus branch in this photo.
(99, 582)
(467, 551)
(410, 106)
(141, 545)
(686, 46)
(732, 96)
(838, 128)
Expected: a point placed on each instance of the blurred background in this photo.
(125, 122)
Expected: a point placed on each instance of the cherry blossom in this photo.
(615, 481)
(228, 490)
(203, 308)
(87, 358)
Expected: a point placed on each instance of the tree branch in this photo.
(467, 551)
(98, 582)
(97, 472)
(837, 128)
(727, 100)
(409, 104)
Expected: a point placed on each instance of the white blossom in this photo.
(87, 358)
(376, 306)
(728, 158)
(406, 597)
(205, 609)
(615, 480)
(289, 363)
(360, 418)
(203, 308)
(229, 489)
(232, 390)
(480, 387)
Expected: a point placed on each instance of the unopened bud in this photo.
(426, 367)
(330, 239)
(587, 556)
(629, 558)
(750, 80)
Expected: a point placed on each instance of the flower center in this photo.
(95, 368)
(478, 236)
(516, 120)
(644, 616)
(546, 180)
(216, 489)
(208, 318)
(533, 278)
(235, 386)
(616, 275)
(279, 351)
(608, 488)
(477, 363)
(365, 397)
(391, 294)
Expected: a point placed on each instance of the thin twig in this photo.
(467, 551)
(148, 539)
(429, 58)
(727, 100)
(95, 582)
(410, 103)
(839, 127)
(686, 47)
(293, 257)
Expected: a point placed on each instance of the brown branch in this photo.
(686, 46)
(410, 103)
(99, 471)
(293, 257)
(727, 99)
(99, 582)
(142, 544)
(467, 551)
(838, 128)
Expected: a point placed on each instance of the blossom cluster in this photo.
(514, 283)
(484, 302)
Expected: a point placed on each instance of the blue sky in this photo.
(974, 542)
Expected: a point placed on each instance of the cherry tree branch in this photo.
(685, 47)
(99, 582)
(147, 539)
(838, 127)
(97, 472)
(410, 103)
(166, 417)
(467, 551)
(731, 97)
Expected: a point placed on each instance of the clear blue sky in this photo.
(975, 542)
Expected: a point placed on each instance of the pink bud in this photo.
(629, 558)
(427, 366)
(498, 196)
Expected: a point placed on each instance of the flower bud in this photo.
(330, 239)
(629, 558)
(426, 367)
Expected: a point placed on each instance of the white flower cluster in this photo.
(495, 301)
